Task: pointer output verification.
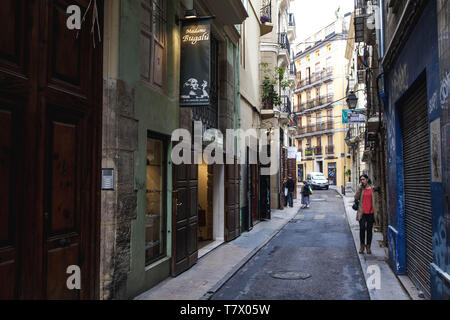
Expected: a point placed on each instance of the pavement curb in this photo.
(236, 268)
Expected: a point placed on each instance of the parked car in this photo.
(317, 180)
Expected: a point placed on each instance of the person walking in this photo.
(285, 192)
(306, 192)
(290, 185)
(367, 214)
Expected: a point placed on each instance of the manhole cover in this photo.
(290, 275)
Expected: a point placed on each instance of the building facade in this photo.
(158, 217)
(319, 100)
(277, 115)
(412, 41)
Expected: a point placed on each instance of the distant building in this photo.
(319, 101)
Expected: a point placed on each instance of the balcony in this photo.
(330, 150)
(285, 104)
(308, 153)
(310, 128)
(320, 126)
(316, 78)
(265, 17)
(301, 130)
(292, 72)
(330, 125)
(291, 20)
(283, 41)
(318, 150)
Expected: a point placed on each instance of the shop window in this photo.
(154, 42)
(156, 209)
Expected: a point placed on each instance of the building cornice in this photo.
(321, 44)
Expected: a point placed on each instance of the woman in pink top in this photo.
(367, 211)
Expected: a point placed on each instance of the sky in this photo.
(313, 15)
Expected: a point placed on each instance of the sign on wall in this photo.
(353, 116)
(292, 153)
(195, 63)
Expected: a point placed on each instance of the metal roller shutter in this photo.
(416, 162)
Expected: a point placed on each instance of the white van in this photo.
(317, 180)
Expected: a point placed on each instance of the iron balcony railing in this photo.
(286, 104)
(283, 41)
(315, 102)
(292, 69)
(320, 126)
(318, 150)
(266, 11)
(291, 20)
(301, 130)
(316, 77)
(310, 128)
(330, 149)
(330, 125)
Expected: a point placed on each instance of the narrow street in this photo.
(316, 244)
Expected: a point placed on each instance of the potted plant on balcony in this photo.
(269, 96)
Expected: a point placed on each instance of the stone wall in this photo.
(118, 207)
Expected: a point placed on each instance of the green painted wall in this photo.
(158, 112)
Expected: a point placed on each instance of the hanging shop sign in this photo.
(353, 116)
(195, 62)
(292, 153)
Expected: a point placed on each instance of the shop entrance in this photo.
(210, 213)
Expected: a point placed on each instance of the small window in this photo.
(329, 47)
(317, 53)
(307, 58)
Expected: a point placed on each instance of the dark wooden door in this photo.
(185, 217)
(232, 201)
(254, 192)
(50, 122)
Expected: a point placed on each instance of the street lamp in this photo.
(352, 100)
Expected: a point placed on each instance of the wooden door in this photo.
(185, 217)
(254, 192)
(50, 122)
(232, 201)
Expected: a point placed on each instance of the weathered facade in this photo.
(413, 44)
(151, 222)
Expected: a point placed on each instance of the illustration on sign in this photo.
(195, 63)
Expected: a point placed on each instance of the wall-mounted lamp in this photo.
(190, 14)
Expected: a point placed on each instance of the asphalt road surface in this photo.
(312, 258)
